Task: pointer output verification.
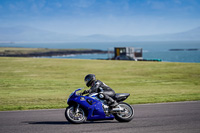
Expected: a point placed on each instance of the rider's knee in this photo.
(101, 96)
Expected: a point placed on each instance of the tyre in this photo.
(75, 117)
(126, 115)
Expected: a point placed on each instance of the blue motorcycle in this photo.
(90, 108)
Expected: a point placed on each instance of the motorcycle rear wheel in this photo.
(126, 115)
(75, 117)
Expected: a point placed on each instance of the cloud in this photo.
(13, 7)
(82, 3)
(36, 7)
(115, 17)
(178, 2)
(58, 5)
(157, 5)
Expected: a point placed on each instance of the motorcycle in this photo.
(90, 108)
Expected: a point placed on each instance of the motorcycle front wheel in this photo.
(126, 115)
(75, 116)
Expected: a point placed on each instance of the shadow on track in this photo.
(48, 122)
(64, 122)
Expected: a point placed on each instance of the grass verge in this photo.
(38, 83)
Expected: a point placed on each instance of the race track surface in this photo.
(179, 117)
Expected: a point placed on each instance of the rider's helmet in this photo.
(89, 79)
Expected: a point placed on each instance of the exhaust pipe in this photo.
(118, 109)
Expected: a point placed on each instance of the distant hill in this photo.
(29, 34)
(191, 35)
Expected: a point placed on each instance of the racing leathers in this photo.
(104, 92)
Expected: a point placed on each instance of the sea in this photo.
(167, 51)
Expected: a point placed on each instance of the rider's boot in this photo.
(111, 102)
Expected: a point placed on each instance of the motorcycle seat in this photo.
(121, 95)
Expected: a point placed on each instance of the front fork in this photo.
(76, 109)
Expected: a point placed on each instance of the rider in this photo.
(104, 91)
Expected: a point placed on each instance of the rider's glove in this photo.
(84, 92)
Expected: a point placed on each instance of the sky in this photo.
(108, 17)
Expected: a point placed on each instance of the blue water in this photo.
(151, 50)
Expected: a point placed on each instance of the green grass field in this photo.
(38, 83)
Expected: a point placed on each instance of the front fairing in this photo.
(92, 106)
(73, 94)
(74, 97)
(84, 101)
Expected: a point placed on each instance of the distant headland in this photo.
(38, 52)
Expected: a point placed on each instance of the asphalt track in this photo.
(179, 117)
